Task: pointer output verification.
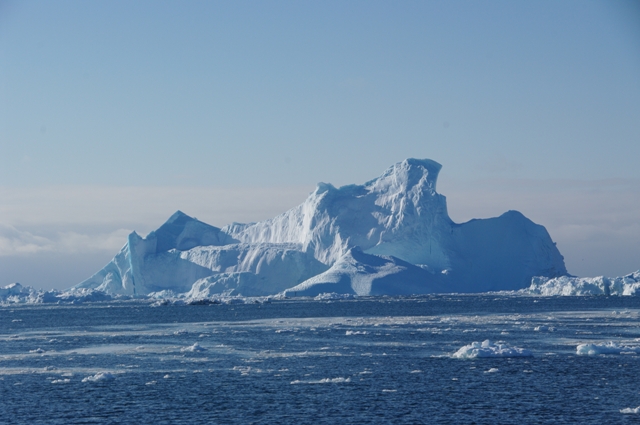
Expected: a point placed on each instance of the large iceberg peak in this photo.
(399, 213)
(410, 175)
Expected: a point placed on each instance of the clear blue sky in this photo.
(113, 114)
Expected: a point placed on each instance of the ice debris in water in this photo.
(630, 411)
(605, 348)
(490, 349)
(193, 348)
(100, 376)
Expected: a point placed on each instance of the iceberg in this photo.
(15, 293)
(571, 285)
(389, 236)
(605, 348)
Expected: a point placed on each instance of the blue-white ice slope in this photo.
(392, 235)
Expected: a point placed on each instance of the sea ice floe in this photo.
(61, 381)
(193, 348)
(492, 370)
(490, 349)
(630, 411)
(605, 348)
(100, 376)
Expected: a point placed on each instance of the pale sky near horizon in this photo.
(114, 114)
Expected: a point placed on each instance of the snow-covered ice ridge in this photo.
(391, 235)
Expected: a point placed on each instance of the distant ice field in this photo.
(483, 359)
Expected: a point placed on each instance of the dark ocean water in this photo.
(376, 360)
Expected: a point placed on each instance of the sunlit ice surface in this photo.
(358, 360)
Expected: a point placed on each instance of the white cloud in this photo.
(14, 241)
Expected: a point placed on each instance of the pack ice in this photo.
(391, 235)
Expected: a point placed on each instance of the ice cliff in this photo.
(391, 235)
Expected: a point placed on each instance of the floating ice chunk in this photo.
(605, 348)
(326, 296)
(543, 328)
(492, 370)
(193, 348)
(100, 376)
(334, 380)
(630, 411)
(356, 333)
(61, 381)
(37, 350)
(338, 380)
(490, 349)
